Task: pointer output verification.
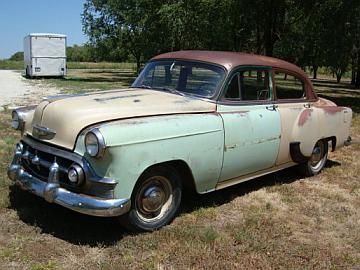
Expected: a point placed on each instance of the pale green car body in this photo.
(205, 142)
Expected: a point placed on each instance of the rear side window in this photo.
(288, 86)
(249, 85)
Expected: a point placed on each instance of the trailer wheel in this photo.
(27, 75)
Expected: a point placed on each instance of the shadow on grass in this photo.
(128, 72)
(81, 229)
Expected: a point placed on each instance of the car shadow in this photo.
(81, 229)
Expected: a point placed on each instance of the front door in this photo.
(251, 122)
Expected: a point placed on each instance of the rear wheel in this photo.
(155, 200)
(317, 159)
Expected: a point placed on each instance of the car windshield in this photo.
(181, 77)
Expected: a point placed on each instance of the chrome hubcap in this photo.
(317, 157)
(154, 198)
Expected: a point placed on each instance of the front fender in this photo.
(133, 145)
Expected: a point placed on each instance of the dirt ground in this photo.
(15, 90)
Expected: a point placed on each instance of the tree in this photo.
(122, 25)
(18, 56)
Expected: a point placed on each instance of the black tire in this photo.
(155, 200)
(27, 73)
(317, 160)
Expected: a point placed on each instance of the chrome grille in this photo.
(38, 157)
(38, 163)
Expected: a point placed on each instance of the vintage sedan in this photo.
(192, 120)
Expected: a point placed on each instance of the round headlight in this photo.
(94, 143)
(15, 123)
(76, 174)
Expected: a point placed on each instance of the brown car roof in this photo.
(230, 59)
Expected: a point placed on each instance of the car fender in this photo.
(133, 145)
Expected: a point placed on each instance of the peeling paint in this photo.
(117, 97)
(304, 117)
(332, 110)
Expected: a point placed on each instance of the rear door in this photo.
(299, 120)
(251, 123)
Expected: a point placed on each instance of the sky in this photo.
(21, 17)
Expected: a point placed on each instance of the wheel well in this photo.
(184, 172)
(333, 142)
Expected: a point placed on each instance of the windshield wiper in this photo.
(143, 86)
(170, 90)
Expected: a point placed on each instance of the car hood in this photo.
(67, 116)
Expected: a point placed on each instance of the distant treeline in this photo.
(310, 33)
(76, 53)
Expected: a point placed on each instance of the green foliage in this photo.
(13, 65)
(309, 33)
(79, 54)
(18, 56)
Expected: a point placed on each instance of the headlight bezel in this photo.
(100, 143)
(21, 116)
(17, 117)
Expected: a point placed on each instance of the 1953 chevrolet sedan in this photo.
(195, 120)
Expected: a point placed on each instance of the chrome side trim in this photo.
(53, 193)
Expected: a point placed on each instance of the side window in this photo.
(233, 89)
(249, 84)
(289, 86)
(255, 85)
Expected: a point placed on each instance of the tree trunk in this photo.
(315, 70)
(339, 74)
(353, 77)
(138, 65)
(353, 71)
(357, 81)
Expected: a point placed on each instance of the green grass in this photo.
(101, 65)
(87, 80)
(13, 65)
(19, 65)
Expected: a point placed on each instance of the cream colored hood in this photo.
(68, 116)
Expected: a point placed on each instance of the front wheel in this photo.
(317, 159)
(155, 200)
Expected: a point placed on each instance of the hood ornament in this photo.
(43, 133)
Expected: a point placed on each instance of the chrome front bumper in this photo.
(53, 193)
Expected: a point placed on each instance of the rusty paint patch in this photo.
(117, 97)
(304, 117)
(332, 109)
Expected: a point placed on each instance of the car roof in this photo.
(229, 60)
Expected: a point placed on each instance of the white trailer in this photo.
(45, 55)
